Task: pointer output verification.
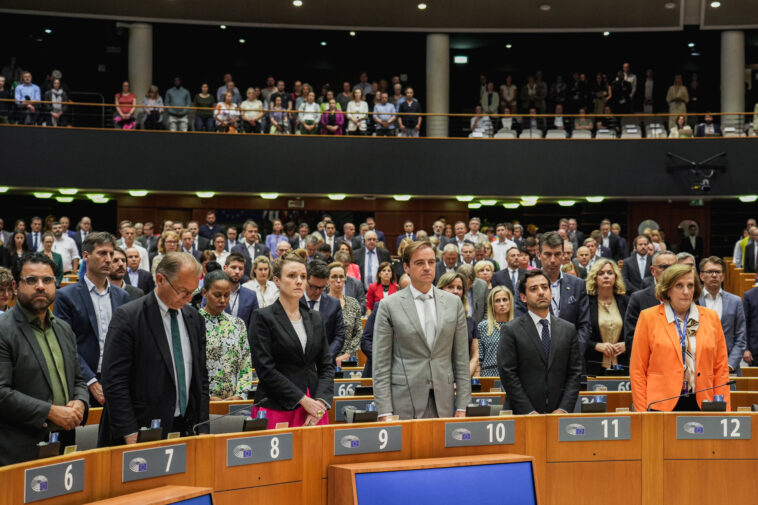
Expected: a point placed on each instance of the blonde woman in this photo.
(499, 311)
(484, 270)
(608, 301)
(168, 242)
(265, 289)
(454, 282)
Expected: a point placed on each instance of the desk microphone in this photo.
(246, 412)
(405, 374)
(694, 392)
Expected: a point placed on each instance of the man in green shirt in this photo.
(41, 386)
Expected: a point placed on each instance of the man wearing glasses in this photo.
(727, 306)
(328, 306)
(645, 298)
(41, 385)
(154, 360)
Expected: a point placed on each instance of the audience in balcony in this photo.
(180, 97)
(677, 97)
(204, 103)
(708, 128)
(125, 108)
(27, 100)
(332, 119)
(55, 112)
(227, 114)
(509, 95)
(151, 116)
(252, 111)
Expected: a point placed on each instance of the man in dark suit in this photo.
(250, 248)
(708, 128)
(118, 273)
(750, 305)
(692, 243)
(610, 241)
(154, 359)
(200, 243)
(645, 298)
(328, 306)
(85, 227)
(511, 274)
(569, 293)
(575, 235)
(451, 260)
(188, 245)
(330, 237)
(349, 236)
(301, 237)
(242, 301)
(88, 307)
(408, 232)
(231, 239)
(750, 258)
(539, 357)
(41, 385)
(34, 237)
(148, 239)
(368, 258)
(477, 293)
(135, 276)
(438, 232)
(5, 236)
(371, 222)
(210, 228)
(636, 268)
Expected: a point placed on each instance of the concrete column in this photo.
(437, 83)
(140, 58)
(732, 75)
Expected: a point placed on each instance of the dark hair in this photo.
(349, 248)
(290, 256)
(528, 275)
(212, 266)
(551, 239)
(382, 266)
(97, 238)
(531, 242)
(235, 257)
(33, 257)
(324, 247)
(715, 260)
(117, 249)
(12, 245)
(214, 276)
(318, 269)
(217, 235)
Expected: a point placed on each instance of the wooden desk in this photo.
(158, 496)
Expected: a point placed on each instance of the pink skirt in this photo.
(295, 418)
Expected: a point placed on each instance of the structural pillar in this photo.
(437, 83)
(732, 76)
(140, 58)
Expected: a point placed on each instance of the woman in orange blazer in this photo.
(678, 348)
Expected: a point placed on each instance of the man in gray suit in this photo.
(420, 347)
(41, 385)
(728, 306)
(538, 358)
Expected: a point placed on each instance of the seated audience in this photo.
(481, 125)
(582, 122)
(226, 114)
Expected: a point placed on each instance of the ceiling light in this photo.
(42, 194)
(474, 205)
(530, 198)
(95, 196)
(337, 196)
(68, 191)
(138, 192)
(464, 198)
(670, 5)
(595, 199)
(566, 203)
(101, 200)
(695, 53)
(545, 7)
(223, 27)
(48, 31)
(205, 194)
(528, 203)
(352, 34)
(323, 42)
(65, 199)
(421, 6)
(4, 189)
(269, 196)
(511, 205)
(241, 41)
(508, 46)
(605, 34)
(401, 198)
(691, 44)
(488, 203)
(748, 198)
(460, 60)
(297, 3)
(715, 5)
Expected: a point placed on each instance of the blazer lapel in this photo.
(159, 334)
(28, 333)
(534, 337)
(440, 306)
(289, 330)
(672, 333)
(86, 302)
(409, 306)
(308, 324)
(555, 338)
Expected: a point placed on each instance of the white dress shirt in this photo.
(144, 261)
(302, 335)
(420, 308)
(103, 313)
(716, 303)
(264, 299)
(499, 250)
(186, 349)
(642, 263)
(66, 247)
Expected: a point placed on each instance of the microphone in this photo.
(247, 412)
(405, 374)
(695, 392)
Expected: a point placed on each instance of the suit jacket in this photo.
(748, 260)
(295, 242)
(574, 307)
(30, 242)
(639, 301)
(139, 379)
(287, 372)
(78, 239)
(656, 368)
(630, 271)
(260, 250)
(133, 292)
(479, 292)
(247, 305)
(700, 129)
(697, 251)
(355, 242)
(6, 237)
(73, 304)
(750, 305)
(623, 246)
(367, 341)
(590, 354)
(441, 270)
(196, 253)
(533, 382)
(150, 243)
(359, 258)
(144, 281)
(208, 232)
(401, 237)
(203, 243)
(614, 248)
(733, 325)
(25, 391)
(333, 321)
(380, 237)
(405, 369)
(605, 252)
(375, 293)
(503, 278)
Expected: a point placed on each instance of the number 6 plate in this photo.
(45, 482)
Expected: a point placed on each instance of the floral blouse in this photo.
(351, 313)
(227, 355)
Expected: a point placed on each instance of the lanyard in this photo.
(682, 333)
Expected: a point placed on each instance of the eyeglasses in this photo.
(8, 290)
(183, 293)
(662, 267)
(317, 288)
(33, 281)
(713, 272)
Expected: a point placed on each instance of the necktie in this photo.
(545, 337)
(311, 304)
(369, 268)
(642, 266)
(35, 240)
(430, 325)
(514, 275)
(178, 361)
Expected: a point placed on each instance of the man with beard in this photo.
(118, 272)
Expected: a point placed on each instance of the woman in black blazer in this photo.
(290, 352)
(608, 302)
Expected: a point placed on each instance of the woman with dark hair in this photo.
(278, 118)
(385, 285)
(608, 301)
(353, 270)
(204, 114)
(17, 247)
(351, 312)
(227, 350)
(291, 353)
(219, 248)
(47, 249)
(126, 103)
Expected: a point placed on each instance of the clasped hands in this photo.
(611, 350)
(316, 409)
(68, 417)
